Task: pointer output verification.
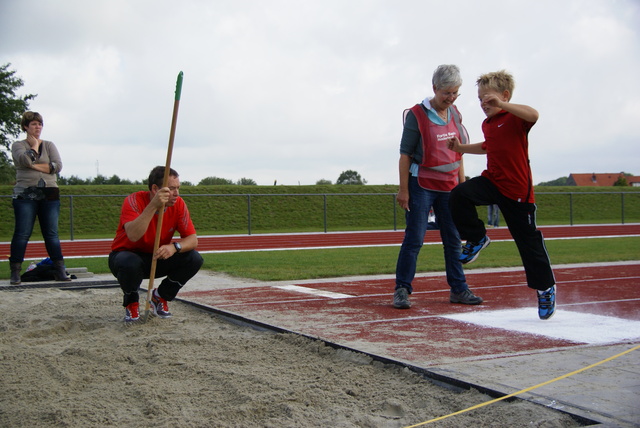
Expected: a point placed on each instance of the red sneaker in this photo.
(132, 312)
(159, 306)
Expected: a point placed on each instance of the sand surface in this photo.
(68, 360)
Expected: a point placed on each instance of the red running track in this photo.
(226, 243)
(359, 314)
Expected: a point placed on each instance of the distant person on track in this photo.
(36, 194)
(428, 172)
(132, 249)
(493, 215)
(507, 182)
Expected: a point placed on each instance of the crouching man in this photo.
(132, 249)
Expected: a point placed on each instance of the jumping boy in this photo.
(507, 182)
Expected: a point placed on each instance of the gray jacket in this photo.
(24, 157)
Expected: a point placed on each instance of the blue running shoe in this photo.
(470, 250)
(547, 303)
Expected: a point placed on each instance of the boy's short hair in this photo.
(156, 176)
(28, 117)
(499, 81)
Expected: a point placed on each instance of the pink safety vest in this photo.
(439, 168)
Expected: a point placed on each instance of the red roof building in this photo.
(594, 179)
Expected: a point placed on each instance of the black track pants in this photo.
(131, 268)
(521, 221)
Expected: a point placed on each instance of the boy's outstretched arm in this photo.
(524, 112)
(475, 149)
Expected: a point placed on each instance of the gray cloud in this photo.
(298, 91)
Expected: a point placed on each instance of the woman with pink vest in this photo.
(428, 172)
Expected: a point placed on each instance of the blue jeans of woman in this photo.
(420, 203)
(25, 212)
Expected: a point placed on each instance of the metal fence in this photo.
(340, 211)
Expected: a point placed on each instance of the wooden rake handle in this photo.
(165, 181)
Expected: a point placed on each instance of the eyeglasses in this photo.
(451, 94)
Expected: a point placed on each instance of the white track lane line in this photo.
(313, 291)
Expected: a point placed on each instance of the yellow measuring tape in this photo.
(524, 390)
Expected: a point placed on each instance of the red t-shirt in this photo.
(176, 219)
(507, 146)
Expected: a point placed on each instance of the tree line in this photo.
(13, 106)
(346, 177)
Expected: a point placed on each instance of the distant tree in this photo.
(72, 181)
(246, 182)
(114, 180)
(99, 179)
(117, 180)
(323, 181)
(350, 177)
(11, 109)
(186, 183)
(621, 181)
(562, 181)
(214, 181)
(7, 171)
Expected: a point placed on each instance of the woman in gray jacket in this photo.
(36, 194)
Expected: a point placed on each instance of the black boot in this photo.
(15, 273)
(59, 272)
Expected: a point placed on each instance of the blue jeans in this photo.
(25, 212)
(493, 214)
(420, 202)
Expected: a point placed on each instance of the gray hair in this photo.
(446, 76)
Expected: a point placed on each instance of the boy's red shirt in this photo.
(176, 219)
(507, 145)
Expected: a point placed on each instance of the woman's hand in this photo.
(34, 142)
(42, 167)
(403, 199)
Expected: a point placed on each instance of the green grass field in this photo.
(275, 209)
(218, 210)
(312, 264)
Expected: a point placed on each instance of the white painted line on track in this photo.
(565, 325)
(313, 291)
(336, 247)
(600, 302)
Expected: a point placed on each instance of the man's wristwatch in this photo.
(178, 247)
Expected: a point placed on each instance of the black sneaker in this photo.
(471, 250)
(401, 299)
(547, 303)
(159, 306)
(466, 298)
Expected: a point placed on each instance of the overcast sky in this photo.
(301, 90)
